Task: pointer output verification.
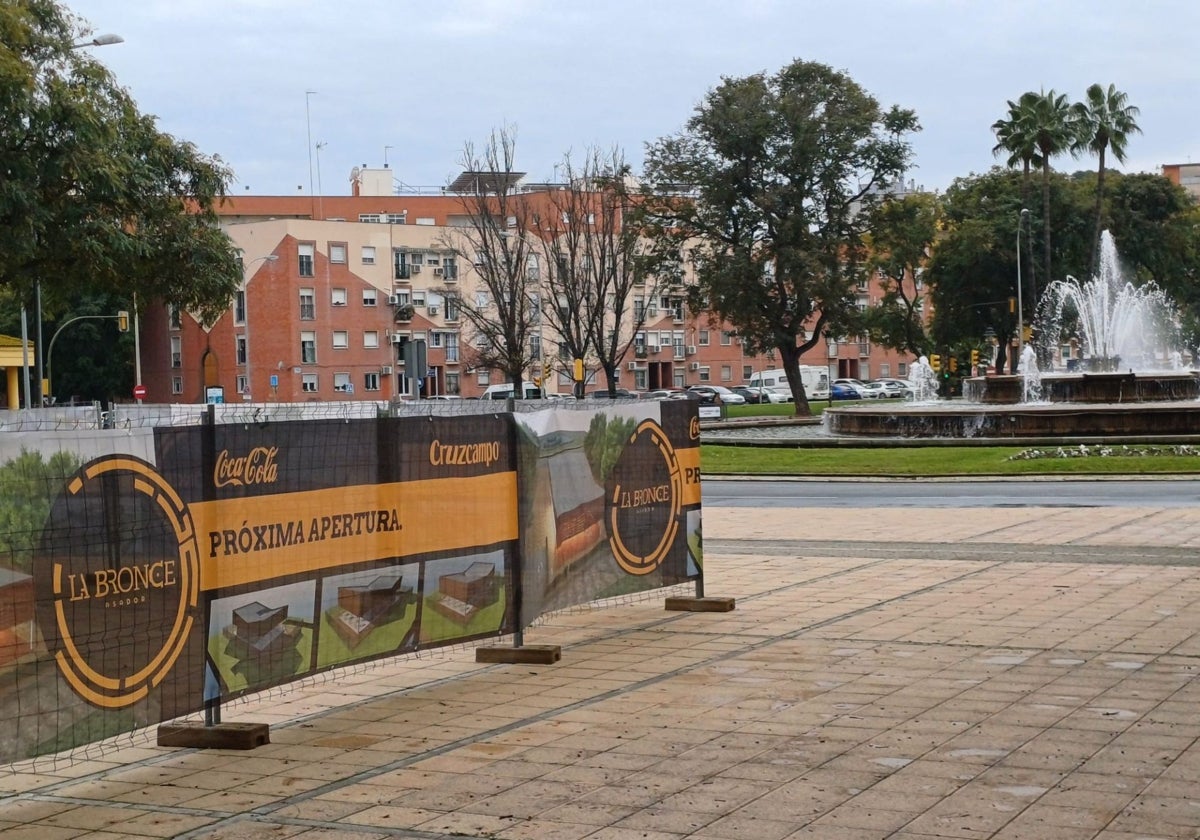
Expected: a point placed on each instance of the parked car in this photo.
(842, 391)
(662, 393)
(727, 396)
(620, 394)
(759, 395)
(785, 393)
(875, 391)
(897, 387)
(857, 384)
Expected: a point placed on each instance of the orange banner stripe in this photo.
(243, 541)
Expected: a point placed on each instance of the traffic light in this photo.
(123, 321)
(974, 358)
(579, 370)
(954, 364)
(935, 362)
(1012, 305)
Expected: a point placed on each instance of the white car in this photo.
(728, 397)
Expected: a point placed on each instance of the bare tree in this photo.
(598, 262)
(500, 306)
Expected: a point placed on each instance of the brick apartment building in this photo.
(334, 286)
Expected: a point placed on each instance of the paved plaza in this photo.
(984, 673)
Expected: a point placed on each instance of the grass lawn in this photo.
(929, 461)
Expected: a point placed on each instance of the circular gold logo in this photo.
(645, 495)
(118, 580)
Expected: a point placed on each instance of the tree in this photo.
(1016, 136)
(598, 263)
(502, 315)
(1104, 121)
(1054, 132)
(763, 186)
(903, 231)
(95, 197)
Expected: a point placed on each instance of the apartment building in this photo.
(336, 286)
(1186, 175)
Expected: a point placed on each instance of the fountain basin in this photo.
(1118, 388)
(961, 419)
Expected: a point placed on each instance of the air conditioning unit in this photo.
(385, 370)
(437, 272)
(694, 366)
(691, 349)
(653, 348)
(397, 338)
(393, 300)
(631, 366)
(415, 269)
(433, 311)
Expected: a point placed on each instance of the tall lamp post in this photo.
(269, 258)
(1020, 304)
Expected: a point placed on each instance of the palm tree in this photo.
(1015, 135)
(1054, 132)
(1104, 121)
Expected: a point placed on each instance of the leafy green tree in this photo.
(1016, 136)
(1104, 120)
(94, 195)
(762, 186)
(28, 486)
(903, 231)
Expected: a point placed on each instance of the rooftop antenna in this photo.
(320, 196)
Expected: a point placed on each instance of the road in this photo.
(770, 493)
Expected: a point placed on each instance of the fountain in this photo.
(1121, 376)
(924, 381)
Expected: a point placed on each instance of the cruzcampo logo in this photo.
(118, 580)
(644, 499)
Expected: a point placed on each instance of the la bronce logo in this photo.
(644, 500)
(118, 580)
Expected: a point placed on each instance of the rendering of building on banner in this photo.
(259, 630)
(578, 508)
(362, 607)
(462, 594)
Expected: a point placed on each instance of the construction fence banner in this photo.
(147, 572)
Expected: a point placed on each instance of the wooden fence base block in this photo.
(220, 736)
(524, 655)
(700, 604)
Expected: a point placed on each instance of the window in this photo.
(452, 386)
(639, 380)
(451, 308)
(703, 340)
(341, 339)
(677, 344)
(452, 348)
(371, 339)
(308, 383)
(418, 298)
(305, 258)
(726, 373)
(400, 265)
(450, 269)
(341, 382)
(337, 252)
(747, 372)
(483, 378)
(435, 339)
(368, 255)
(337, 297)
(704, 375)
(176, 384)
(308, 348)
(176, 324)
(176, 351)
(239, 308)
(416, 259)
(370, 297)
(885, 371)
(535, 348)
(726, 338)
(481, 300)
(242, 386)
(308, 305)
(371, 218)
(371, 381)
(396, 218)
(639, 309)
(902, 370)
(240, 350)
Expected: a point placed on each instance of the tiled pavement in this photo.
(1011, 673)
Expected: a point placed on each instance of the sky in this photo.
(292, 94)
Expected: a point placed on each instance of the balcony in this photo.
(639, 352)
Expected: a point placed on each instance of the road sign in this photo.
(139, 392)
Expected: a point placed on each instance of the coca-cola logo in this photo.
(256, 467)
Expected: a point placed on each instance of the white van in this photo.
(505, 390)
(815, 380)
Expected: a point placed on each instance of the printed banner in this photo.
(146, 572)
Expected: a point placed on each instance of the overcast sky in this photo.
(414, 80)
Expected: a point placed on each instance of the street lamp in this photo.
(248, 393)
(1020, 307)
